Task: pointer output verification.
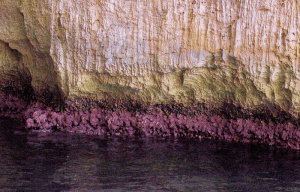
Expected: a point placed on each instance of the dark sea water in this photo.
(73, 162)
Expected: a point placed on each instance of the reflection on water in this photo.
(66, 162)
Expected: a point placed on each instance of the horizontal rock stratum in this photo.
(244, 52)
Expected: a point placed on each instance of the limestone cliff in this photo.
(240, 51)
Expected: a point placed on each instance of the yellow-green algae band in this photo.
(218, 81)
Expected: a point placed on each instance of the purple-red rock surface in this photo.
(170, 121)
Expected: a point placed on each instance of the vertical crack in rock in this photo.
(35, 53)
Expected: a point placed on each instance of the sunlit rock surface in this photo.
(245, 52)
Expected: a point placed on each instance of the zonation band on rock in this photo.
(160, 121)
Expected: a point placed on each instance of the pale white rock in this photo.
(75, 47)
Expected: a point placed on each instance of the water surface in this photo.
(73, 162)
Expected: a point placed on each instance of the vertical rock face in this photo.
(245, 51)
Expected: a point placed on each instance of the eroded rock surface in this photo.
(244, 52)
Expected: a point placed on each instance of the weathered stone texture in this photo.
(240, 51)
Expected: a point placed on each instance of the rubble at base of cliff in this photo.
(117, 118)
